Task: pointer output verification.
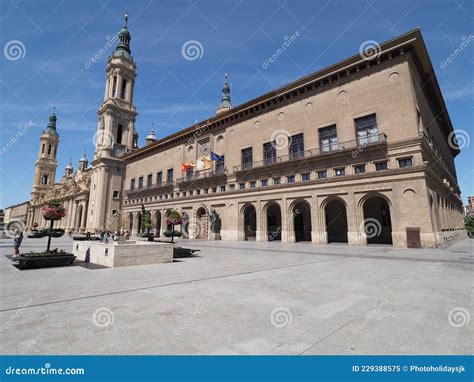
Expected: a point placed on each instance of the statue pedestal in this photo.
(214, 236)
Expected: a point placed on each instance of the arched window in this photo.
(119, 134)
(44, 180)
(124, 88)
(114, 88)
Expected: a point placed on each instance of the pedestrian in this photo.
(127, 235)
(17, 242)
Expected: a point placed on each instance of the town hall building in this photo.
(359, 152)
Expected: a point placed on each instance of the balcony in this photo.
(160, 188)
(203, 177)
(342, 148)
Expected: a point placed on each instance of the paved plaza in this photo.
(245, 298)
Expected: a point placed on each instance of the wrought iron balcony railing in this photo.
(357, 144)
(157, 187)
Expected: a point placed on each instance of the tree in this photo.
(469, 224)
(146, 221)
(174, 218)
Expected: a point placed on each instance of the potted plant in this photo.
(173, 219)
(52, 211)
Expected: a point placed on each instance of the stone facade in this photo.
(359, 152)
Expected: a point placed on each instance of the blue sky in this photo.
(59, 37)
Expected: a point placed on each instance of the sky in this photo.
(184, 48)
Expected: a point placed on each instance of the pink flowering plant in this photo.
(174, 218)
(53, 210)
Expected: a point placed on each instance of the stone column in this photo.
(259, 236)
(284, 220)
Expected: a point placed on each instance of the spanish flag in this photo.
(186, 166)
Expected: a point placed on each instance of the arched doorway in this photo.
(250, 223)
(158, 222)
(202, 224)
(336, 221)
(273, 212)
(377, 221)
(302, 221)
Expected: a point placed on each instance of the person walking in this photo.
(17, 242)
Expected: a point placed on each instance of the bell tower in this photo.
(46, 164)
(115, 135)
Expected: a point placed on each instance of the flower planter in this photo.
(27, 261)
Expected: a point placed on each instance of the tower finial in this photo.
(54, 109)
(225, 103)
(126, 19)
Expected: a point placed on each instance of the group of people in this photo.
(106, 235)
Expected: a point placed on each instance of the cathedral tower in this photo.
(46, 164)
(115, 135)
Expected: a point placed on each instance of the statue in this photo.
(215, 225)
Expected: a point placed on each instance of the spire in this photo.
(123, 47)
(83, 162)
(51, 128)
(151, 137)
(225, 103)
(68, 169)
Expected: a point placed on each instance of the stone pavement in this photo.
(245, 298)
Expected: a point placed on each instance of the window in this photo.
(220, 166)
(206, 191)
(405, 162)
(264, 182)
(241, 186)
(140, 182)
(231, 187)
(159, 178)
(253, 184)
(380, 166)
(269, 152)
(114, 213)
(169, 175)
(222, 188)
(290, 179)
(124, 88)
(305, 176)
(366, 129)
(114, 88)
(198, 192)
(44, 180)
(119, 134)
(42, 149)
(322, 174)
(277, 180)
(149, 180)
(116, 194)
(132, 184)
(214, 190)
(49, 149)
(360, 169)
(340, 171)
(247, 158)
(328, 139)
(296, 146)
